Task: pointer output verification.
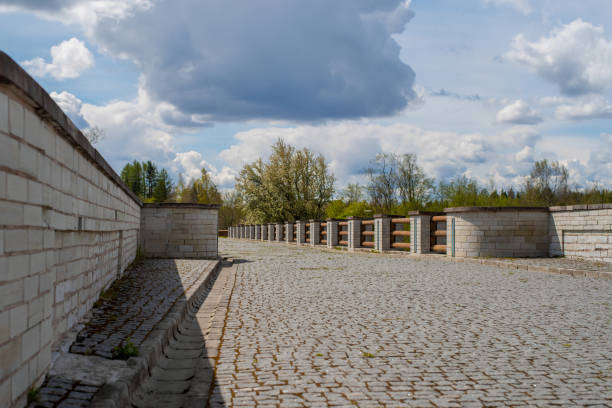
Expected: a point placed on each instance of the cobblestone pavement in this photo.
(566, 263)
(184, 375)
(328, 328)
(134, 304)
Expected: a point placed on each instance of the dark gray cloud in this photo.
(269, 59)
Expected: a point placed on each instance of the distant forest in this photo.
(297, 184)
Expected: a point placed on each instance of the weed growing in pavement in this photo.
(127, 350)
(366, 354)
(33, 395)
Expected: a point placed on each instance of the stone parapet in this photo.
(173, 230)
(497, 232)
(68, 228)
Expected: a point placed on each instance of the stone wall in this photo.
(497, 231)
(68, 228)
(582, 231)
(179, 230)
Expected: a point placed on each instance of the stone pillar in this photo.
(419, 234)
(239, 236)
(264, 232)
(354, 233)
(289, 232)
(271, 235)
(279, 232)
(257, 232)
(300, 236)
(332, 233)
(315, 232)
(252, 232)
(382, 232)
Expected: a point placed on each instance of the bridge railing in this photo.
(417, 232)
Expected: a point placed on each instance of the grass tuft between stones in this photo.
(127, 350)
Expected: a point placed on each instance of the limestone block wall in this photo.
(582, 231)
(176, 230)
(497, 231)
(68, 228)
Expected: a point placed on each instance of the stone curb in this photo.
(577, 273)
(118, 394)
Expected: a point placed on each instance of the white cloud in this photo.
(70, 104)
(518, 112)
(522, 6)
(349, 146)
(585, 108)
(69, 59)
(577, 57)
(191, 163)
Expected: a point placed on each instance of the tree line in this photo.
(297, 184)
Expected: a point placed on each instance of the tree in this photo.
(133, 176)
(204, 190)
(150, 177)
(382, 181)
(163, 187)
(414, 187)
(547, 183)
(352, 193)
(293, 184)
(231, 211)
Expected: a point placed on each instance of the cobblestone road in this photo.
(313, 328)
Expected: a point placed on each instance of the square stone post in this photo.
(382, 232)
(419, 234)
(239, 232)
(279, 232)
(289, 232)
(300, 236)
(248, 231)
(264, 232)
(354, 233)
(257, 232)
(315, 232)
(332, 233)
(271, 235)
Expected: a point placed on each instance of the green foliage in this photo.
(293, 184)
(162, 190)
(202, 190)
(33, 395)
(125, 351)
(342, 210)
(231, 211)
(144, 180)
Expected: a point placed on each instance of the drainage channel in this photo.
(184, 375)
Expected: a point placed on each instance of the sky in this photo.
(476, 88)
